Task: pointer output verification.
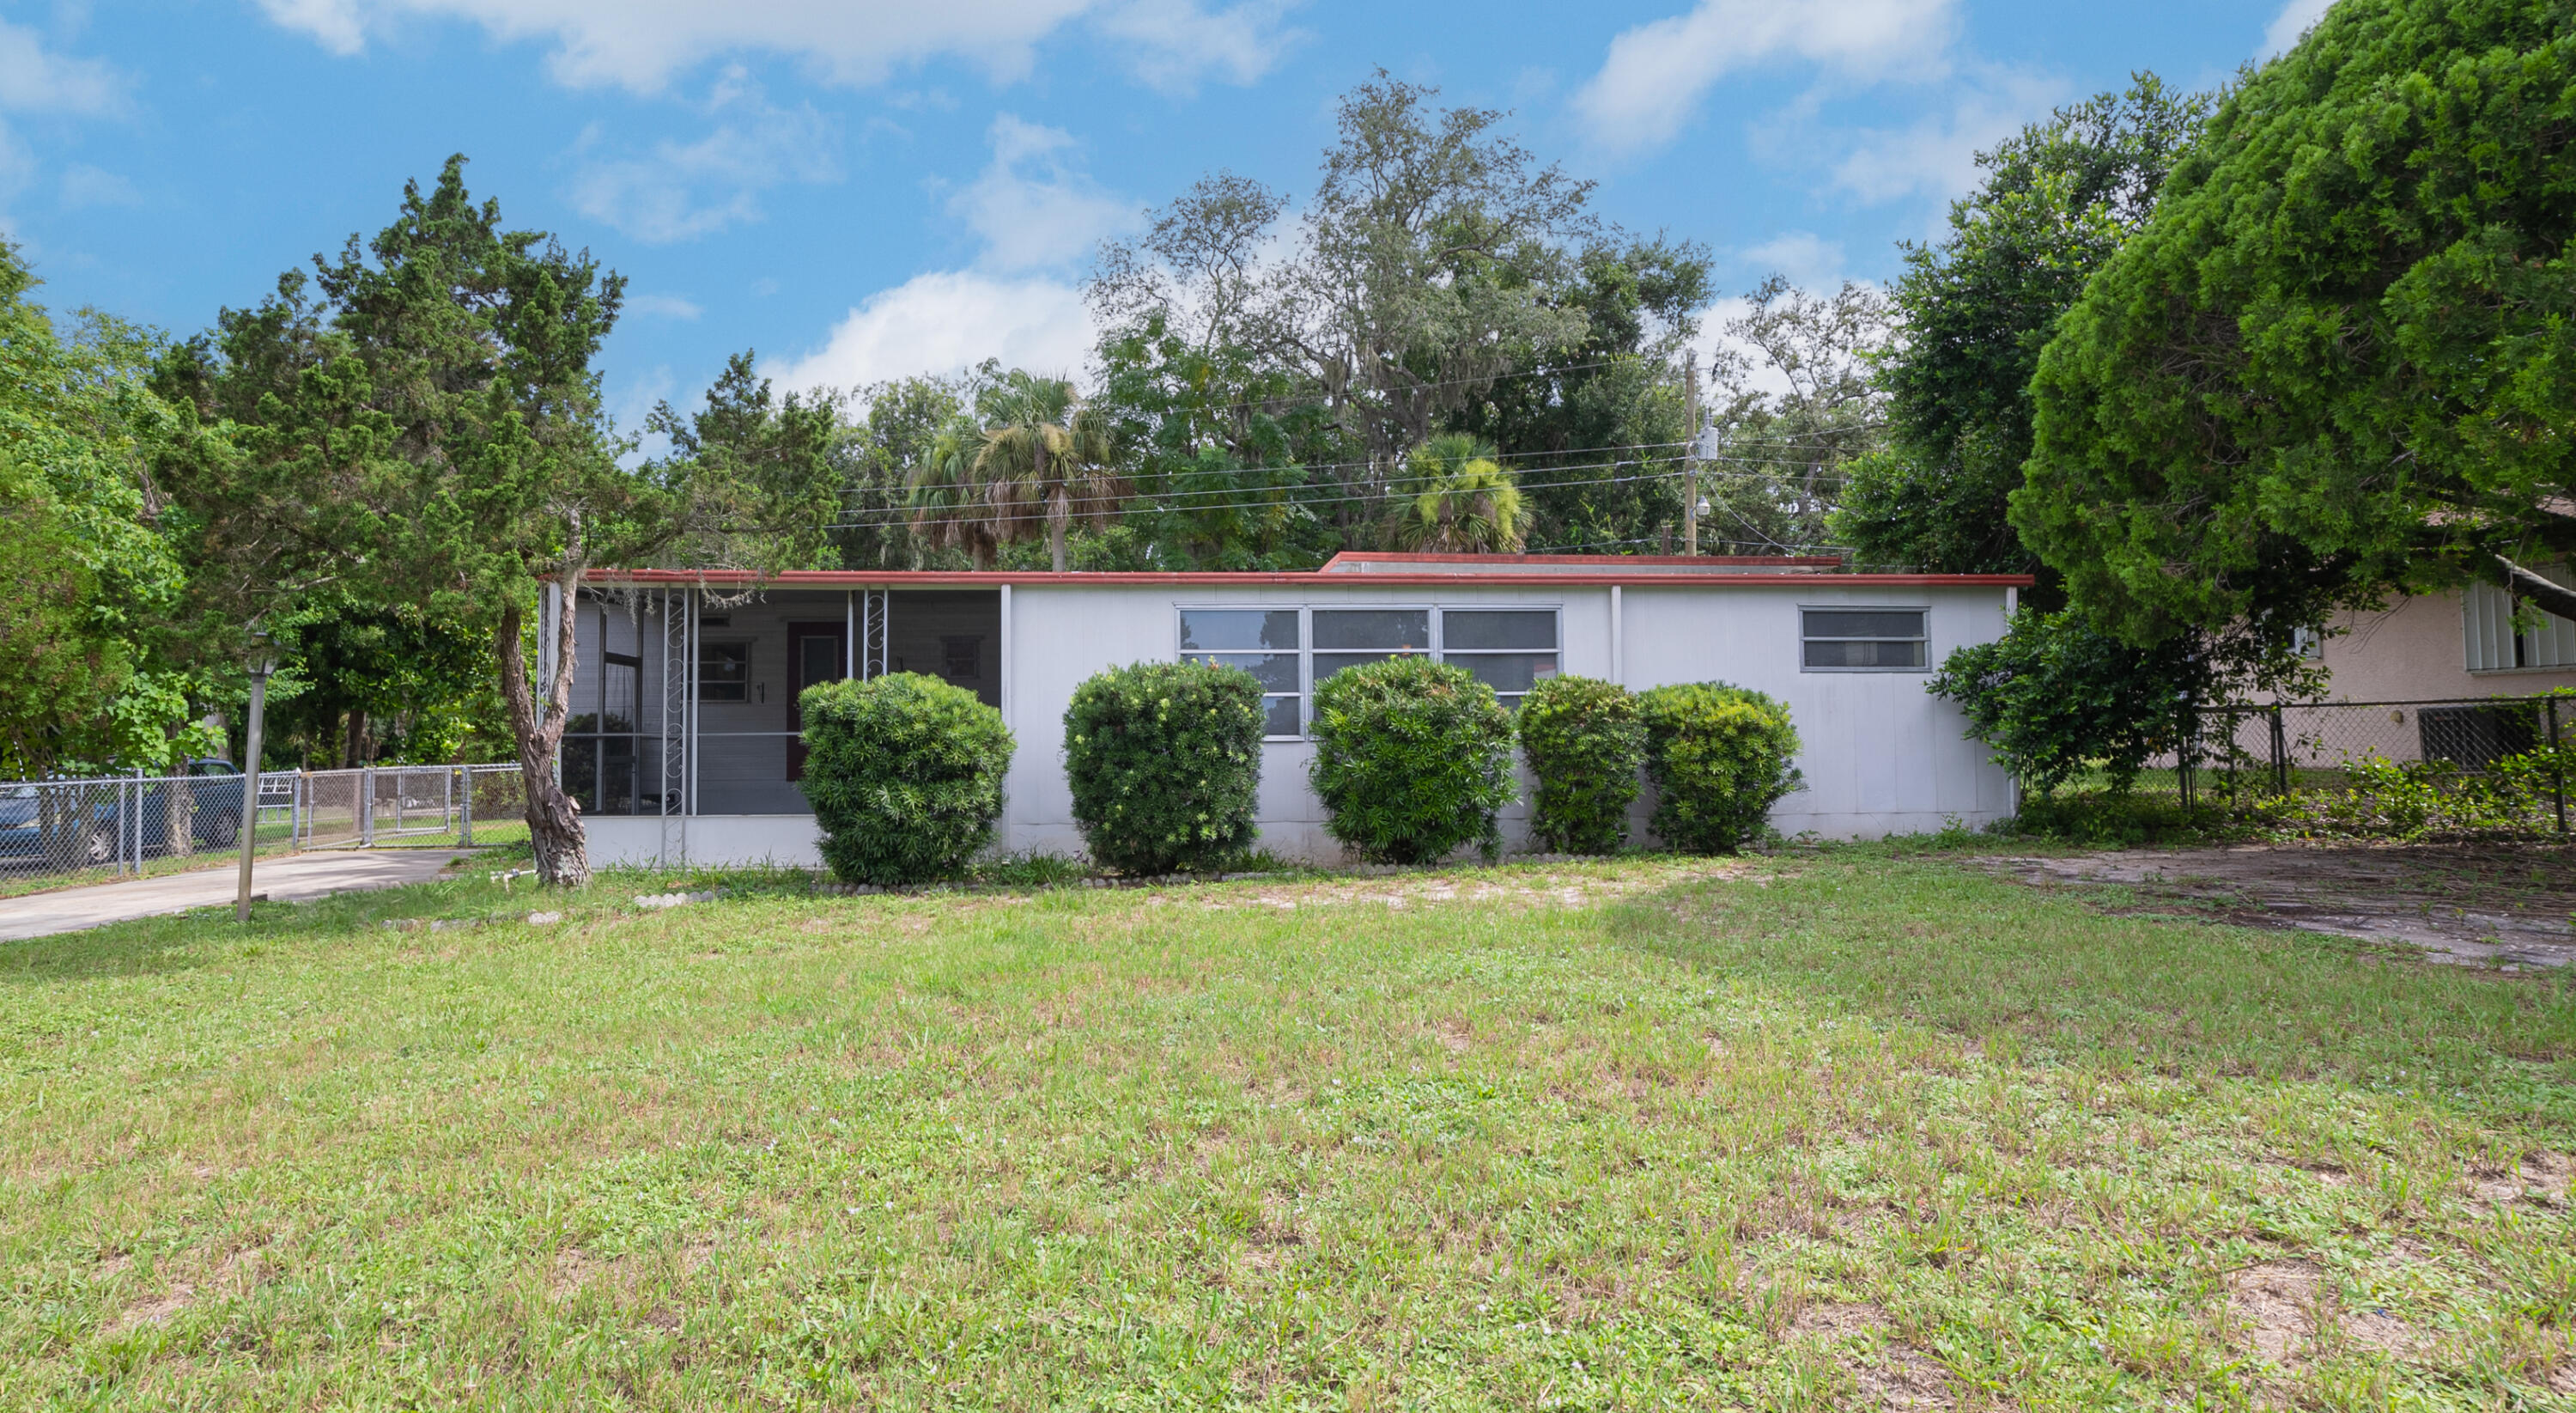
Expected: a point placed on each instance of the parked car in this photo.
(84, 823)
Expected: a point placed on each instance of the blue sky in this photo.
(865, 188)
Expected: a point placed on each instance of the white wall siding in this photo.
(1880, 754)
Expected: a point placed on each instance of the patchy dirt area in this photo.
(1570, 888)
(2505, 905)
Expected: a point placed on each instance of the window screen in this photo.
(1263, 642)
(1509, 650)
(724, 672)
(1862, 639)
(1347, 637)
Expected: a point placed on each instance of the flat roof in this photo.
(1588, 575)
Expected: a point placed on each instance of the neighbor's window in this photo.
(1509, 650)
(724, 672)
(1263, 642)
(1862, 639)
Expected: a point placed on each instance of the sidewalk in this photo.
(290, 879)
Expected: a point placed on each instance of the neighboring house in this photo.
(2417, 680)
(2431, 647)
(684, 740)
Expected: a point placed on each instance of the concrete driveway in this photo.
(290, 879)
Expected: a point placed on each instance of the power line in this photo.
(897, 518)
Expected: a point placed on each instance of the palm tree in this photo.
(1047, 458)
(949, 506)
(1463, 501)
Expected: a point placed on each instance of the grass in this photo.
(1802, 1132)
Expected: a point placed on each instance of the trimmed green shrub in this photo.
(1719, 759)
(1165, 760)
(1584, 742)
(905, 776)
(1412, 759)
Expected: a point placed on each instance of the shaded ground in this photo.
(2503, 905)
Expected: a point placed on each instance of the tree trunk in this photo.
(1059, 512)
(554, 819)
(2549, 595)
(353, 747)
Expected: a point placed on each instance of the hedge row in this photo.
(1413, 761)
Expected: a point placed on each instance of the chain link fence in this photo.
(2405, 769)
(66, 831)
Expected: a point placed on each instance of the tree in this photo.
(1978, 305)
(903, 419)
(1456, 499)
(95, 673)
(749, 453)
(360, 681)
(1619, 388)
(2339, 360)
(419, 424)
(1428, 263)
(1789, 424)
(1046, 460)
(948, 506)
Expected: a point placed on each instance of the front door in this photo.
(816, 653)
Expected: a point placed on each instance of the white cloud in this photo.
(1032, 207)
(950, 320)
(33, 80)
(2295, 20)
(1804, 258)
(1172, 43)
(85, 186)
(663, 306)
(685, 190)
(1657, 72)
(642, 44)
(1938, 156)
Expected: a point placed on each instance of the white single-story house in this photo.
(683, 744)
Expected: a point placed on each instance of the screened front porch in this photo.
(686, 704)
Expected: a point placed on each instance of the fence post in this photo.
(2280, 756)
(366, 806)
(2557, 767)
(465, 835)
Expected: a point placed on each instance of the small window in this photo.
(724, 672)
(1862, 639)
(1509, 650)
(1263, 642)
(961, 659)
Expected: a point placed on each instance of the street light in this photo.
(259, 661)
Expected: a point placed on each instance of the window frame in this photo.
(1306, 650)
(699, 672)
(1924, 609)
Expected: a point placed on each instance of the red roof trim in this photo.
(966, 579)
(1377, 557)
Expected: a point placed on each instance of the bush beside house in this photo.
(1584, 743)
(905, 776)
(1719, 758)
(1412, 760)
(1165, 764)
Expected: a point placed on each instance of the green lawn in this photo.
(1838, 1129)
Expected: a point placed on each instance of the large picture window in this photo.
(1289, 650)
(1862, 639)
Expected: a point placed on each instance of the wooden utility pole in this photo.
(1690, 455)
